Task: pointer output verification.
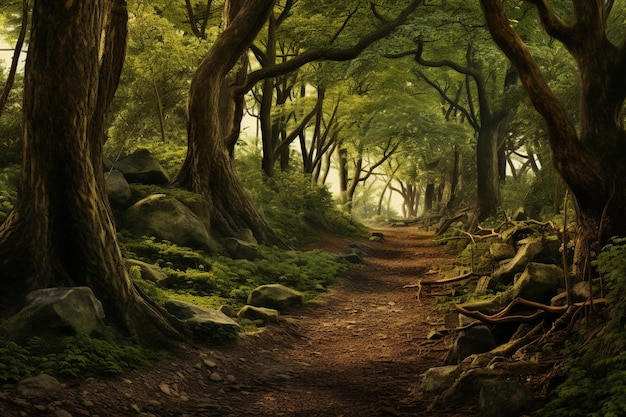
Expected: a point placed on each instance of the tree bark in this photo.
(61, 232)
(590, 158)
(208, 168)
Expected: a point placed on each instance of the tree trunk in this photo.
(208, 168)
(591, 158)
(488, 176)
(61, 232)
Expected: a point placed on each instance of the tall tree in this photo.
(590, 156)
(208, 168)
(61, 232)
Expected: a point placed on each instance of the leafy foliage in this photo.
(8, 190)
(597, 379)
(72, 356)
(216, 280)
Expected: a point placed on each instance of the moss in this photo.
(72, 356)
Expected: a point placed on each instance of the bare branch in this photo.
(551, 22)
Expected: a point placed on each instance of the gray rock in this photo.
(502, 397)
(268, 315)
(202, 323)
(118, 190)
(524, 256)
(519, 231)
(276, 296)
(40, 386)
(166, 218)
(149, 272)
(484, 286)
(492, 304)
(247, 236)
(353, 258)
(241, 249)
(186, 311)
(54, 311)
(473, 340)
(539, 282)
(437, 380)
(141, 167)
(501, 250)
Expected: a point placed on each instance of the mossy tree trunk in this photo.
(61, 232)
(208, 168)
(589, 158)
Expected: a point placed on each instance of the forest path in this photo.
(359, 351)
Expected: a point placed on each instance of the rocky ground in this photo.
(358, 351)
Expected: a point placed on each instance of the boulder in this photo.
(118, 190)
(40, 386)
(525, 254)
(539, 282)
(247, 236)
(141, 167)
(59, 311)
(520, 231)
(268, 315)
(437, 380)
(501, 250)
(149, 272)
(276, 296)
(203, 323)
(502, 397)
(490, 305)
(166, 218)
(241, 249)
(353, 257)
(476, 339)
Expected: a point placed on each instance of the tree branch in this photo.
(561, 128)
(551, 22)
(328, 54)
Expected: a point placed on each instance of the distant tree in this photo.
(590, 157)
(61, 231)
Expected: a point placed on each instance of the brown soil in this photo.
(359, 351)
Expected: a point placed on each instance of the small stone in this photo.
(165, 389)
(88, 403)
(127, 381)
(184, 396)
(82, 412)
(231, 378)
(135, 408)
(210, 363)
(40, 407)
(434, 335)
(215, 377)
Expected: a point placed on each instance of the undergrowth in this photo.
(215, 280)
(72, 356)
(596, 383)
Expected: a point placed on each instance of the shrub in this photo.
(72, 356)
(596, 381)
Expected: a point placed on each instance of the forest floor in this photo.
(360, 350)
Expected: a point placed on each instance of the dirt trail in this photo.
(360, 352)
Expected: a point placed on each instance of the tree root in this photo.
(541, 310)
